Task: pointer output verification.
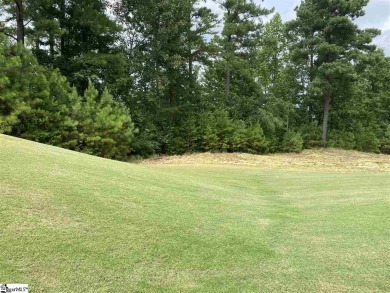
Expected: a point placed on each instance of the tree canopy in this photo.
(124, 78)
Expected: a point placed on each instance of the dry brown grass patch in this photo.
(333, 160)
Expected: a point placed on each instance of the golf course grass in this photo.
(70, 222)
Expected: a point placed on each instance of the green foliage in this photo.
(105, 127)
(244, 89)
(144, 144)
(239, 136)
(327, 42)
(183, 139)
(342, 139)
(256, 142)
(50, 119)
(39, 104)
(75, 37)
(11, 101)
(311, 135)
(36, 103)
(224, 128)
(216, 132)
(209, 139)
(292, 142)
(366, 140)
(230, 78)
(385, 145)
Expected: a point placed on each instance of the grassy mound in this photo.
(77, 223)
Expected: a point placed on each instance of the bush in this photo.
(210, 140)
(218, 132)
(177, 145)
(143, 144)
(311, 135)
(385, 148)
(256, 143)
(105, 127)
(292, 142)
(342, 139)
(367, 141)
(190, 133)
(215, 131)
(224, 129)
(385, 144)
(38, 103)
(238, 136)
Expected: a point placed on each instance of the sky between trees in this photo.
(377, 16)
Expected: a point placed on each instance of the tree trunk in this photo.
(62, 24)
(189, 40)
(228, 71)
(19, 21)
(327, 98)
(51, 43)
(190, 67)
(37, 41)
(227, 85)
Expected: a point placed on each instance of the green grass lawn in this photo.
(77, 223)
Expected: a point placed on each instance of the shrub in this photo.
(292, 142)
(176, 145)
(385, 144)
(367, 141)
(311, 135)
(210, 140)
(143, 144)
(105, 127)
(190, 133)
(256, 143)
(38, 103)
(342, 139)
(238, 136)
(224, 129)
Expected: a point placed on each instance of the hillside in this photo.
(71, 222)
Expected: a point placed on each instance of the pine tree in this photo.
(105, 127)
(240, 35)
(328, 40)
(16, 12)
(10, 103)
(166, 44)
(277, 78)
(24, 89)
(256, 141)
(36, 102)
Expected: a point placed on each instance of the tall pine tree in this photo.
(328, 41)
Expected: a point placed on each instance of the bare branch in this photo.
(8, 19)
(7, 34)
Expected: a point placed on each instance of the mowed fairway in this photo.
(75, 223)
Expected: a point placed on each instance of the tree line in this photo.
(135, 78)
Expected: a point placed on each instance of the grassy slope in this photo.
(77, 223)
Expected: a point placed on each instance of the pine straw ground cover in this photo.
(333, 160)
(70, 222)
